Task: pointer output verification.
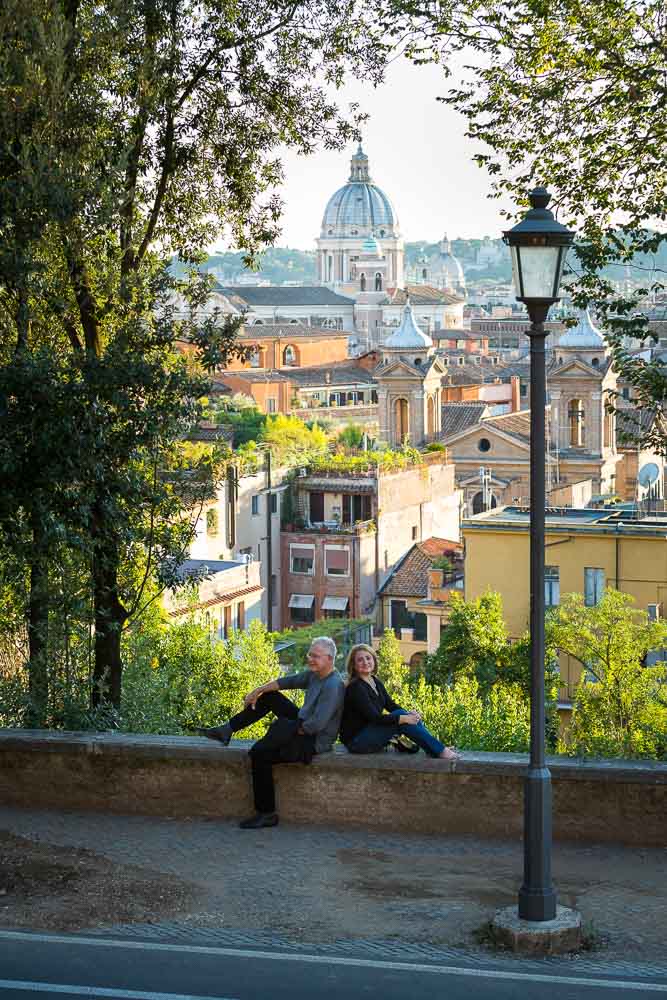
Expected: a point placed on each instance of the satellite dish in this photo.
(648, 474)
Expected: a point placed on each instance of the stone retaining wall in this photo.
(482, 795)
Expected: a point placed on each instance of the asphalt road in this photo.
(71, 967)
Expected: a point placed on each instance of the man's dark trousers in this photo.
(281, 745)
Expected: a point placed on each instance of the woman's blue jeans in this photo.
(374, 738)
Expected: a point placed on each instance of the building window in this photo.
(227, 622)
(414, 532)
(271, 405)
(461, 361)
(484, 444)
(289, 355)
(378, 282)
(575, 414)
(356, 507)
(302, 608)
(240, 615)
(254, 503)
(523, 389)
(274, 503)
(212, 522)
(593, 586)
(335, 607)
(625, 392)
(399, 616)
(302, 559)
(337, 560)
(362, 282)
(420, 626)
(551, 586)
(256, 359)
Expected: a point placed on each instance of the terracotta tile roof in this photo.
(231, 595)
(284, 295)
(249, 375)
(457, 417)
(257, 331)
(410, 578)
(421, 295)
(515, 424)
(206, 431)
(340, 373)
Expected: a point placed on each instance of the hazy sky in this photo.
(418, 155)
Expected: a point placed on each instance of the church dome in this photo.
(448, 267)
(583, 335)
(360, 205)
(408, 336)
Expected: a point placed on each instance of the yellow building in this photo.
(586, 551)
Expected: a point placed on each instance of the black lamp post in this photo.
(539, 245)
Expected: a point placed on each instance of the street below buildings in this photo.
(70, 967)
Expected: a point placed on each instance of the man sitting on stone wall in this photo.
(297, 734)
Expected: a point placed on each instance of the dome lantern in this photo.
(408, 336)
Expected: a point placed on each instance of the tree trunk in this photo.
(110, 616)
(38, 629)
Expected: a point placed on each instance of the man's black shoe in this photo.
(222, 734)
(259, 820)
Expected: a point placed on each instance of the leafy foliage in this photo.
(620, 708)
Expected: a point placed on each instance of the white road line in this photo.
(98, 991)
(364, 963)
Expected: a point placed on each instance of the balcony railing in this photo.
(331, 527)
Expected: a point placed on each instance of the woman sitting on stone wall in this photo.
(371, 719)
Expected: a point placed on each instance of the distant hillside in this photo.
(283, 265)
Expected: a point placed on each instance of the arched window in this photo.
(595, 362)
(378, 282)
(382, 232)
(430, 417)
(401, 421)
(256, 358)
(362, 282)
(478, 502)
(575, 415)
(289, 355)
(424, 274)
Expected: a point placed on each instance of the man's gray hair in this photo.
(327, 643)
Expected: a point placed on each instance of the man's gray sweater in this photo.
(323, 706)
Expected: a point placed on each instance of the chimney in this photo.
(515, 384)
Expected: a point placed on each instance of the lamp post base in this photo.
(559, 936)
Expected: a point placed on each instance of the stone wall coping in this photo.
(144, 746)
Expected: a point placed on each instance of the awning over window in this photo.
(335, 604)
(337, 559)
(301, 600)
(298, 553)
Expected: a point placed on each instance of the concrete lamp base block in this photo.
(538, 937)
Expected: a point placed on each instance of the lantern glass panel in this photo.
(540, 271)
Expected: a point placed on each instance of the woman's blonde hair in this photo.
(349, 663)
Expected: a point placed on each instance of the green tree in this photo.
(291, 441)
(130, 133)
(474, 642)
(393, 670)
(620, 707)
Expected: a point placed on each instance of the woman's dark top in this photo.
(363, 707)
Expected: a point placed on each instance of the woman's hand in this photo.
(411, 719)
